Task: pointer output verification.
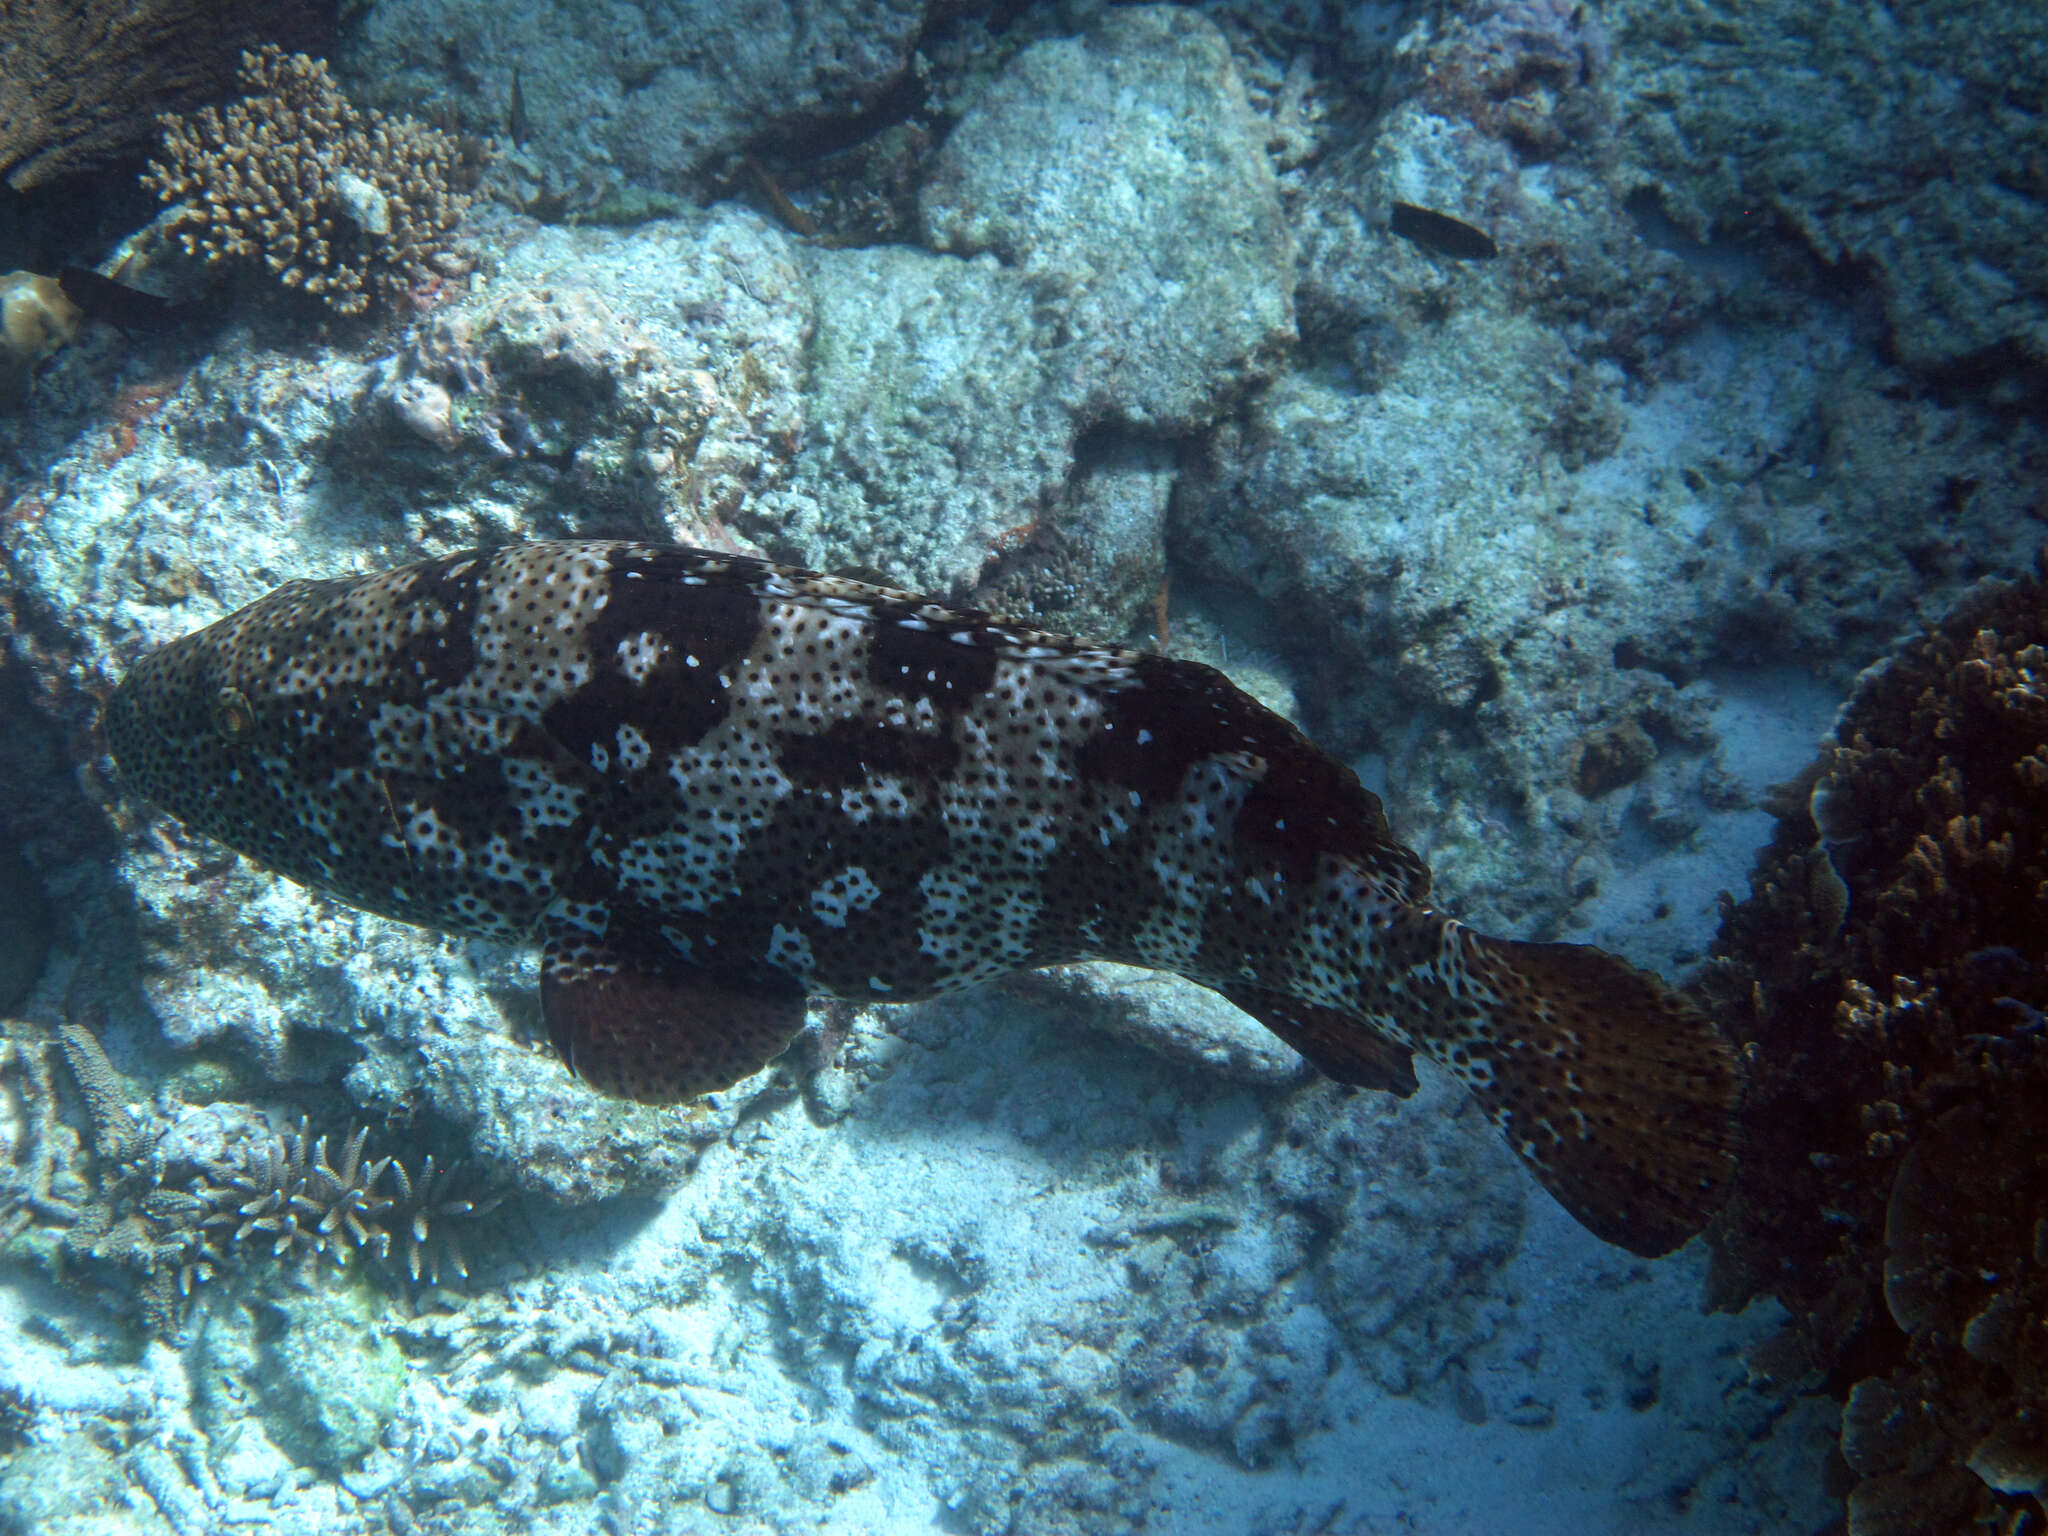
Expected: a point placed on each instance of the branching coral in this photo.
(175, 1214)
(423, 1212)
(336, 201)
(283, 1193)
(1896, 1197)
(40, 1182)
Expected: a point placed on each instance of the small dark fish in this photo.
(709, 786)
(1441, 233)
(793, 217)
(516, 125)
(101, 298)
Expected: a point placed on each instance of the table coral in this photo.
(1894, 1193)
(339, 202)
(84, 82)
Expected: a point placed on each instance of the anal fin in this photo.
(647, 1025)
(1335, 1043)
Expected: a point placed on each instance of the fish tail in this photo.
(1619, 1095)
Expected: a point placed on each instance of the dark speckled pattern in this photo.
(707, 782)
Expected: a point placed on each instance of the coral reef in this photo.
(973, 1263)
(646, 96)
(85, 81)
(346, 204)
(1443, 499)
(1914, 151)
(1889, 970)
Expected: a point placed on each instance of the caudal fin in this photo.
(1619, 1095)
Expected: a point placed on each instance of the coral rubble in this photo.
(336, 201)
(1890, 971)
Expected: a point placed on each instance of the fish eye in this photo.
(232, 716)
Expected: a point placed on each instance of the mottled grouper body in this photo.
(709, 786)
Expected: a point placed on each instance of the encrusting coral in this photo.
(1889, 971)
(336, 201)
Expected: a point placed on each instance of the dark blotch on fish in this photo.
(711, 787)
(102, 298)
(1441, 233)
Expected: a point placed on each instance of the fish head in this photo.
(239, 732)
(351, 736)
(199, 728)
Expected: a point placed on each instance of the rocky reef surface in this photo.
(1569, 515)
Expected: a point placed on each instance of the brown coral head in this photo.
(35, 320)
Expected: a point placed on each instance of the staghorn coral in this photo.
(1896, 1193)
(84, 82)
(156, 1201)
(282, 1191)
(422, 1211)
(335, 201)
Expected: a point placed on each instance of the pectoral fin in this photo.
(648, 1026)
(1335, 1043)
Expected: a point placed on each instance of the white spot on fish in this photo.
(640, 654)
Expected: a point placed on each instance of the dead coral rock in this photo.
(85, 80)
(1613, 756)
(646, 381)
(342, 203)
(1895, 1196)
(1157, 234)
(1515, 68)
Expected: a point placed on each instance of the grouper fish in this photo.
(709, 786)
